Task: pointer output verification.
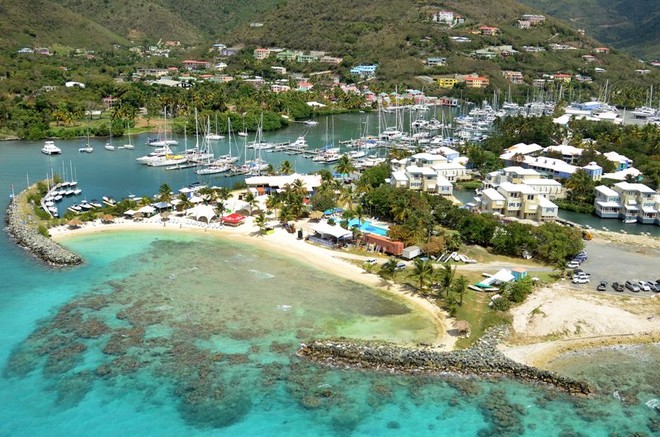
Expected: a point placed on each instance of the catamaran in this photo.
(50, 148)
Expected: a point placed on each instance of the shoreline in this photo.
(282, 242)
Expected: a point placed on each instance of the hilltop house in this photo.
(192, 65)
(260, 53)
(476, 81)
(489, 30)
(513, 76)
(436, 62)
(364, 70)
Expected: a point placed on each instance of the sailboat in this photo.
(87, 148)
(216, 135)
(129, 146)
(108, 145)
(243, 133)
(228, 158)
(162, 141)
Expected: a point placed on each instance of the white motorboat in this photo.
(311, 122)
(109, 201)
(300, 143)
(50, 148)
(629, 221)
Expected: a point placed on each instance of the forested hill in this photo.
(99, 23)
(633, 25)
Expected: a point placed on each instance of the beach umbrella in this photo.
(107, 218)
(165, 215)
(75, 223)
(462, 326)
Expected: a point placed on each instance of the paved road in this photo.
(618, 263)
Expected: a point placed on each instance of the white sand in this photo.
(280, 241)
(558, 318)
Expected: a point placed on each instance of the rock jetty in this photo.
(42, 247)
(483, 359)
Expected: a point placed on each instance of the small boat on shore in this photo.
(629, 221)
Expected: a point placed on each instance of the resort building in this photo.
(558, 169)
(428, 172)
(267, 184)
(548, 188)
(569, 154)
(628, 201)
(620, 161)
(534, 19)
(515, 153)
(519, 201)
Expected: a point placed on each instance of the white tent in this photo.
(196, 199)
(199, 211)
(147, 210)
(336, 232)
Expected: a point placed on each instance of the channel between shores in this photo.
(36, 244)
(482, 359)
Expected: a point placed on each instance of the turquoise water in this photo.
(367, 226)
(170, 334)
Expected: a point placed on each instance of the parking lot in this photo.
(618, 263)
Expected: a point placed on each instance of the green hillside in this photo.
(633, 25)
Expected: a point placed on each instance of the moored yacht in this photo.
(50, 148)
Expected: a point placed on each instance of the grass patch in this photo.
(476, 311)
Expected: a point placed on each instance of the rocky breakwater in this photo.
(483, 359)
(28, 237)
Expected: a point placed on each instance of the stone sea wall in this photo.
(482, 359)
(41, 247)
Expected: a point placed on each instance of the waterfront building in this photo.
(628, 201)
(266, 184)
(548, 188)
(517, 200)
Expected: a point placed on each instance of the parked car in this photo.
(370, 261)
(632, 286)
(653, 286)
(602, 286)
(617, 286)
(643, 286)
(400, 265)
(572, 265)
(580, 279)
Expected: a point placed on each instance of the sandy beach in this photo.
(280, 241)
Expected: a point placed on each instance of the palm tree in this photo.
(164, 193)
(460, 287)
(344, 166)
(388, 270)
(446, 277)
(273, 202)
(402, 209)
(251, 200)
(222, 194)
(423, 273)
(260, 221)
(185, 202)
(347, 197)
(286, 168)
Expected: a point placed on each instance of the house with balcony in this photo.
(622, 162)
(489, 30)
(476, 81)
(447, 81)
(513, 76)
(548, 188)
(637, 202)
(436, 62)
(519, 201)
(261, 53)
(452, 171)
(365, 70)
(607, 202)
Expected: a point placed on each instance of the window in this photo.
(530, 197)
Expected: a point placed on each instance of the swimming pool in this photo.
(368, 227)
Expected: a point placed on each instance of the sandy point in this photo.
(337, 263)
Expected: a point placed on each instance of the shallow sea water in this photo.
(171, 334)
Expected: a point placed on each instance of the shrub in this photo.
(43, 230)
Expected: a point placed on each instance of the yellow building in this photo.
(447, 82)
